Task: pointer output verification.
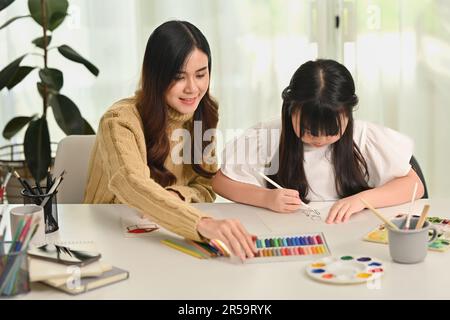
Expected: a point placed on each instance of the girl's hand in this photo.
(231, 232)
(283, 200)
(344, 208)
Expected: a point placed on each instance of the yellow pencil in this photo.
(182, 249)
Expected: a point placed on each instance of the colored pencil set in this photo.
(4, 185)
(14, 277)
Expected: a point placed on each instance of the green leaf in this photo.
(12, 20)
(87, 129)
(56, 19)
(71, 54)
(40, 87)
(5, 3)
(9, 71)
(67, 115)
(20, 74)
(36, 147)
(15, 125)
(56, 10)
(39, 42)
(52, 78)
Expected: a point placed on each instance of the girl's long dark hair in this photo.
(323, 92)
(166, 52)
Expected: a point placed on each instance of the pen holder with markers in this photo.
(50, 206)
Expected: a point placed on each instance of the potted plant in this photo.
(49, 14)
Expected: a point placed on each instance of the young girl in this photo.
(132, 160)
(322, 153)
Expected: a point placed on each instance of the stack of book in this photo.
(72, 267)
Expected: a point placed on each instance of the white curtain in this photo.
(256, 46)
(398, 51)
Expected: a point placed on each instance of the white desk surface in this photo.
(159, 272)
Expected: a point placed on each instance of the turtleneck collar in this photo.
(176, 118)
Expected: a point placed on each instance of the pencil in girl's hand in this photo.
(280, 187)
(276, 185)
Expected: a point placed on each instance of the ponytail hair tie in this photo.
(286, 94)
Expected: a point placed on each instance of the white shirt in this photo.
(387, 154)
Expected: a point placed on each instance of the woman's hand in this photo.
(342, 210)
(283, 200)
(231, 232)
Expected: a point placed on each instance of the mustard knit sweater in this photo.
(118, 172)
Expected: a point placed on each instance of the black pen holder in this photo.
(50, 207)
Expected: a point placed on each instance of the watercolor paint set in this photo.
(346, 269)
(276, 248)
(441, 244)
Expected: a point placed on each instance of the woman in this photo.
(135, 161)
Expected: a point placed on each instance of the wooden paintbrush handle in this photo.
(423, 216)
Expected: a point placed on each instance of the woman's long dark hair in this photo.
(166, 52)
(323, 92)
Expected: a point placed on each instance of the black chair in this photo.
(415, 165)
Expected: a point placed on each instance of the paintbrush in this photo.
(423, 216)
(276, 185)
(378, 214)
(411, 205)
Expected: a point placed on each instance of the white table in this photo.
(159, 272)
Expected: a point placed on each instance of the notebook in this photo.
(67, 253)
(442, 242)
(81, 285)
(43, 270)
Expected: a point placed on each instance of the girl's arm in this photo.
(394, 192)
(279, 200)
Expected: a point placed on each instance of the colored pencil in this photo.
(203, 250)
(218, 244)
(5, 182)
(181, 248)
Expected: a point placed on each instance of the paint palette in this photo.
(276, 248)
(441, 243)
(346, 269)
